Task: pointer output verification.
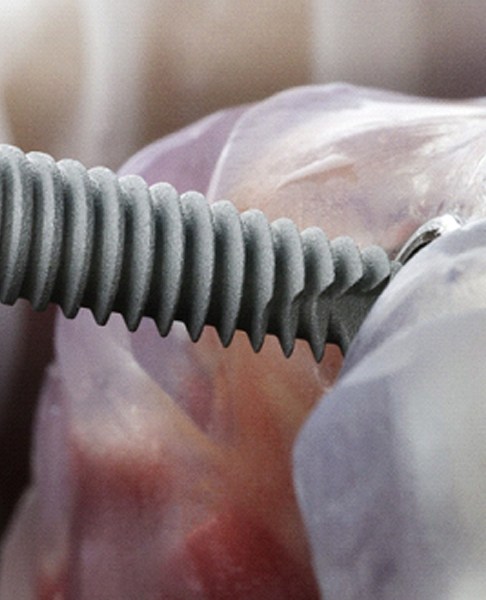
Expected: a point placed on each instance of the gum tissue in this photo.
(163, 469)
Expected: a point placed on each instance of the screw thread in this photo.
(88, 238)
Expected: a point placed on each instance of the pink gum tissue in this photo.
(159, 465)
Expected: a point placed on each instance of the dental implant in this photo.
(86, 238)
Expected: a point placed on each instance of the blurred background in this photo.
(98, 79)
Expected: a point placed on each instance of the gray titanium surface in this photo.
(87, 238)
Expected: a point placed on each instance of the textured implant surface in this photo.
(87, 238)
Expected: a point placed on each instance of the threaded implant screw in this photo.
(82, 238)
